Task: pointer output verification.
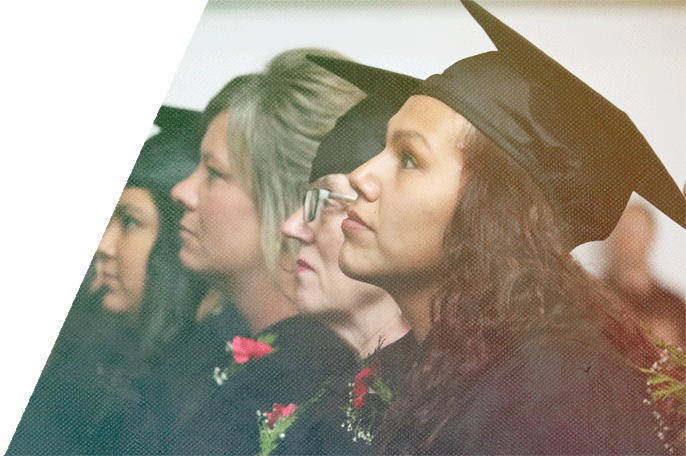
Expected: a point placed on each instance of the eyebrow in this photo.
(208, 159)
(409, 134)
(205, 156)
(123, 209)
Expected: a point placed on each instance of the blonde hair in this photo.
(275, 130)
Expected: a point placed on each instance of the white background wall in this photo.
(83, 82)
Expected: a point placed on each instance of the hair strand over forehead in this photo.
(274, 131)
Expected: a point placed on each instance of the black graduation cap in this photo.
(171, 155)
(583, 152)
(360, 133)
(171, 118)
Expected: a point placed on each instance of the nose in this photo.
(107, 246)
(295, 227)
(365, 179)
(185, 192)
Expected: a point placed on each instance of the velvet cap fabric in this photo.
(171, 155)
(188, 121)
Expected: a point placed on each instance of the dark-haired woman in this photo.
(491, 173)
(136, 306)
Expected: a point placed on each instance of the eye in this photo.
(213, 174)
(335, 204)
(407, 161)
(128, 222)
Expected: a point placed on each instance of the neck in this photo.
(414, 301)
(372, 324)
(209, 302)
(258, 298)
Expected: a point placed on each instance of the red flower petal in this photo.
(271, 419)
(289, 410)
(364, 376)
(279, 411)
(245, 349)
(362, 381)
(358, 402)
(360, 390)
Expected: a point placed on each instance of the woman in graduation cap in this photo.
(131, 313)
(491, 173)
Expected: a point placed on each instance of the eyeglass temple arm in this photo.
(341, 196)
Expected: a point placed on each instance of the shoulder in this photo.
(306, 340)
(395, 360)
(306, 353)
(300, 327)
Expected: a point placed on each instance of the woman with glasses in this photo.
(490, 174)
(363, 315)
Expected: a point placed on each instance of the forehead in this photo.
(136, 196)
(214, 142)
(426, 114)
(138, 201)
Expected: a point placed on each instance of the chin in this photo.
(308, 303)
(191, 261)
(114, 303)
(357, 270)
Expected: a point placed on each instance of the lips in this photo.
(109, 280)
(186, 233)
(302, 266)
(354, 223)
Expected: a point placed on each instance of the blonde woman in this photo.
(255, 155)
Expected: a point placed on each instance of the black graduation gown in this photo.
(306, 355)
(83, 398)
(320, 430)
(177, 388)
(559, 393)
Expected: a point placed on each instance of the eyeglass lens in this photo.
(311, 204)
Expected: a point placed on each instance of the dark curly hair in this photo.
(507, 275)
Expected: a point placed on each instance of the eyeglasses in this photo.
(312, 202)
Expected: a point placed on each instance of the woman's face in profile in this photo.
(122, 256)
(320, 284)
(220, 227)
(407, 196)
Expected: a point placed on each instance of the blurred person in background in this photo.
(630, 275)
(133, 310)
(254, 157)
